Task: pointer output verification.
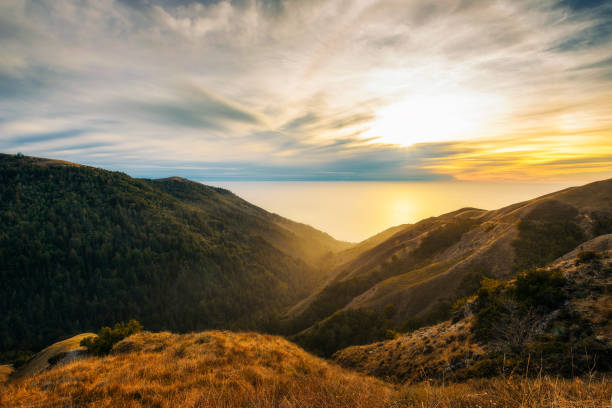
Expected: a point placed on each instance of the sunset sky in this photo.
(312, 90)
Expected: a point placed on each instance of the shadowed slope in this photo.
(82, 247)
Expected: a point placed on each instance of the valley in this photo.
(433, 302)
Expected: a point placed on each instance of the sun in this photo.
(432, 118)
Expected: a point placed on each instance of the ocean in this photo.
(353, 211)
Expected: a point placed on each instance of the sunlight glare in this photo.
(432, 118)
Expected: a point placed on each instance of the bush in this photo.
(548, 232)
(108, 337)
(540, 288)
(411, 324)
(587, 257)
(513, 305)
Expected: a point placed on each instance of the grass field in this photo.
(223, 369)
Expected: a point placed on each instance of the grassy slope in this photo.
(489, 248)
(220, 369)
(450, 350)
(40, 361)
(83, 247)
(339, 260)
(223, 369)
(5, 371)
(393, 256)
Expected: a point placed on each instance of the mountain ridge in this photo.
(84, 247)
(423, 268)
(189, 250)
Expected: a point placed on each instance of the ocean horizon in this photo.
(355, 210)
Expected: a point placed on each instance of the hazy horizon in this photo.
(354, 211)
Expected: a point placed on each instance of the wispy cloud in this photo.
(359, 89)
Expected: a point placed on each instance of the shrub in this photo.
(459, 304)
(513, 305)
(540, 288)
(587, 257)
(411, 324)
(108, 337)
(548, 232)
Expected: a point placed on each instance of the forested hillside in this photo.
(82, 247)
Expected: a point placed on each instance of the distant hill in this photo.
(413, 277)
(553, 321)
(82, 247)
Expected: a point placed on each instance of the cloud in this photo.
(299, 90)
(193, 107)
(552, 157)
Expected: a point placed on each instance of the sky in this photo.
(312, 90)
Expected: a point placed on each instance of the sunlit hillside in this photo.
(224, 369)
(552, 321)
(412, 277)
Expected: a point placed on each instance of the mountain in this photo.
(413, 277)
(512, 294)
(82, 247)
(553, 321)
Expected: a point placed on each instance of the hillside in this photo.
(233, 370)
(63, 350)
(553, 321)
(220, 369)
(82, 247)
(412, 278)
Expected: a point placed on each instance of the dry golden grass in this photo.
(510, 393)
(5, 371)
(431, 352)
(210, 369)
(40, 361)
(222, 369)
